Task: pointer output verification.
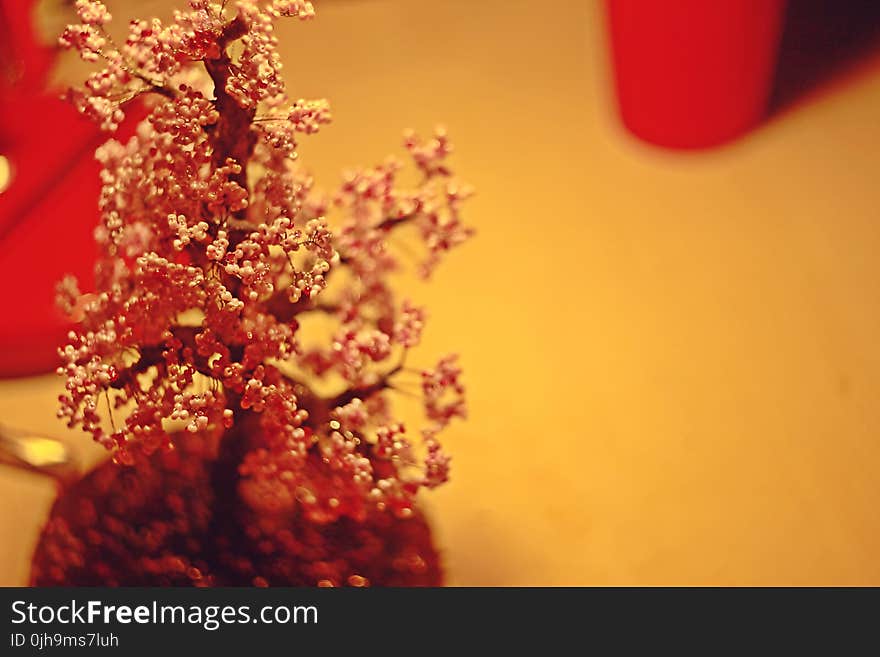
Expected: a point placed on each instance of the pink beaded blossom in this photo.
(215, 247)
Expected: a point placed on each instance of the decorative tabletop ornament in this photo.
(243, 453)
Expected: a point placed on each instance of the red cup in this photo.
(693, 73)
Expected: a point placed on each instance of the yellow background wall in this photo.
(673, 360)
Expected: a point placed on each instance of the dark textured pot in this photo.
(176, 519)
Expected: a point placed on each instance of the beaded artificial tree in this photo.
(243, 455)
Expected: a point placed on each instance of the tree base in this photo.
(169, 521)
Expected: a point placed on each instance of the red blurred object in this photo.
(24, 61)
(49, 209)
(694, 73)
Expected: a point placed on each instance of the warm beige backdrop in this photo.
(673, 360)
